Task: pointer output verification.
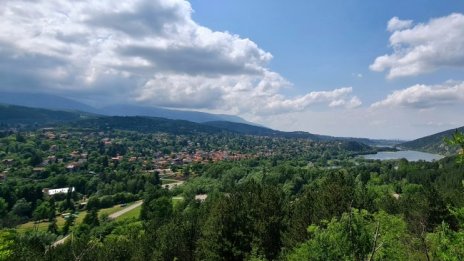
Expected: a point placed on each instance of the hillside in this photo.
(145, 125)
(262, 131)
(12, 115)
(54, 102)
(433, 143)
(44, 101)
(194, 116)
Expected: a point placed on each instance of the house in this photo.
(72, 167)
(8, 162)
(52, 192)
(3, 175)
(38, 170)
(53, 148)
(201, 197)
(117, 158)
(75, 154)
(51, 159)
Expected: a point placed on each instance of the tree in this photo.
(3, 208)
(457, 140)
(91, 218)
(53, 227)
(7, 242)
(67, 224)
(43, 211)
(22, 208)
(52, 212)
(447, 244)
(357, 235)
(249, 218)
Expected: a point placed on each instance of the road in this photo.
(61, 241)
(112, 216)
(173, 185)
(125, 210)
(122, 211)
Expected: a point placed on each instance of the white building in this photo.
(52, 192)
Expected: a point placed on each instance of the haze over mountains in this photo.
(14, 115)
(54, 102)
(36, 108)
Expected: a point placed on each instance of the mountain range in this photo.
(13, 116)
(41, 109)
(54, 102)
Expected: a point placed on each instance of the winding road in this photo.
(122, 211)
(125, 210)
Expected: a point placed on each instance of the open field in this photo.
(60, 220)
(134, 213)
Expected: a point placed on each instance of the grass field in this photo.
(177, 200)
(43, 226)
(135, 213)
(168, 181)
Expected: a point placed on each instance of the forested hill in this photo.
(433, 144)
(263, 131)
(13, 115)
(146, 124)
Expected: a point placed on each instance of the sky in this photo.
(378, 69)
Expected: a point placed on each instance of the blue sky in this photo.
(321, 44)
(377, 69)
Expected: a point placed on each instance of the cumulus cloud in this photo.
(396, 24)
(425, 96)
(422, 48)
(143, 51)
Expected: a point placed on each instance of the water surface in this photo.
(410, 155)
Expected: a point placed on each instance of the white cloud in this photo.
(424, 47)
(396, 24)
(382, 122)
(144, 51)
(336, 98)
(425, 96)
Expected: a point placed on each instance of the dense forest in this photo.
(239, 197)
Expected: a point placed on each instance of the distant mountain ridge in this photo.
(433, 143)
(44, 101)
(36, 117)
(263, 131)
(194, 116)
(145, 124)
(13, 115)
(54, 102)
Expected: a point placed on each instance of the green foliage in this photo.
(447, 244)
(248, 218)
(457, 140)
(435, 143)
(357, 235)
(7, 242)
(91, 218)
(43, 211)
(262, 196)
